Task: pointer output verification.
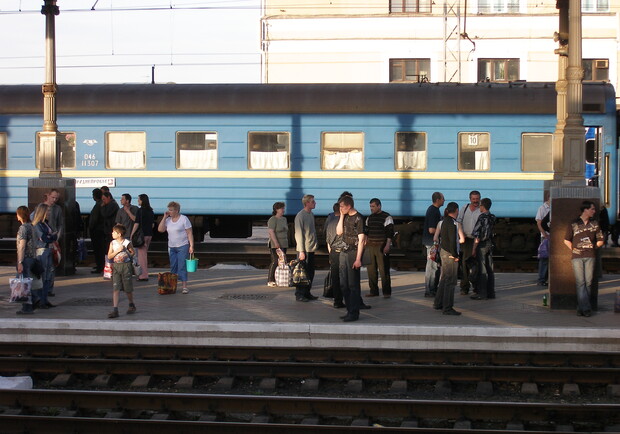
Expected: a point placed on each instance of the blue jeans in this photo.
(543, 270)
(584, 272)
(431, 279)
(36, 293)
(178, 255)
(44, 255)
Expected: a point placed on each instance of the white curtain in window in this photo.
(269, 160)
(353, 160)
(411, 160)
(126, 160)
(482, 160)
(198, 159)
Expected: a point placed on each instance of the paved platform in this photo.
(233, 306)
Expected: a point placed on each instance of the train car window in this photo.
(67, 150)
(197, 150)
(3, 147)
(269, 150)
(342, 151)
(125, 149)
(536, 152)
(474, 151)
(410, 151)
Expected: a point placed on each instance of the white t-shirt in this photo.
(177, 236)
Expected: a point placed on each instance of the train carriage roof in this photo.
(392, 98)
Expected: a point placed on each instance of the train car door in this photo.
(592, 171)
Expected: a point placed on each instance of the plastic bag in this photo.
(137, 269)
(300, 276)
(56, 253)
(107, 269)
(21, 289)
(543, 249)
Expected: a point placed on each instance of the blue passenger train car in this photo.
(228, 152)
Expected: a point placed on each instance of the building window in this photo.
(269, 151)
(126, 149)
(595, 6)
(595, 69)
(498, 6)
(410, 151)
(536, 152)
(474, 151)
(411, 70)
(404, 6)
(197, 150)
(342, 151)
(67, 150)
(498, 70)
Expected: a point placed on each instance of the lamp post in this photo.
(50, 175)
(49, 154)
(568, 188)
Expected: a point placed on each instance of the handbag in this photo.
(328, 289)
(300, 276)
(167, 283)
(137, 239)
(20, 289)
(56, 253)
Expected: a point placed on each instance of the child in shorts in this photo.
(121, 251)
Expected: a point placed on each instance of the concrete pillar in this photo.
(565, 203)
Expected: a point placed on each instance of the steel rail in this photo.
(285, 406)
(323, 370)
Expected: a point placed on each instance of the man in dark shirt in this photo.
(433, 216)
(95, 229)
(483, 251)
(583, 236)
(380, 232)
(109, 208)
(444, 299)
(334, 247)
(351, 227)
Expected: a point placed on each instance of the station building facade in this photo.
(381, 41)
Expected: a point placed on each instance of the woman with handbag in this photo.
(27, 264)
(278, 239)
(44, 237)
(142, 233)
(180, 240)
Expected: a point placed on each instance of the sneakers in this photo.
(271, 284)
(113, 314)
(185, 291)
(131, 309)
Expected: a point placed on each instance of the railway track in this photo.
(306, 390)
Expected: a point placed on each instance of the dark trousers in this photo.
(379, 264)
(444, 299)
(98, 241)
(467, 248)
(486, 276)
(334, 268)
(271, 277)
(350, 283)
(304, 291)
